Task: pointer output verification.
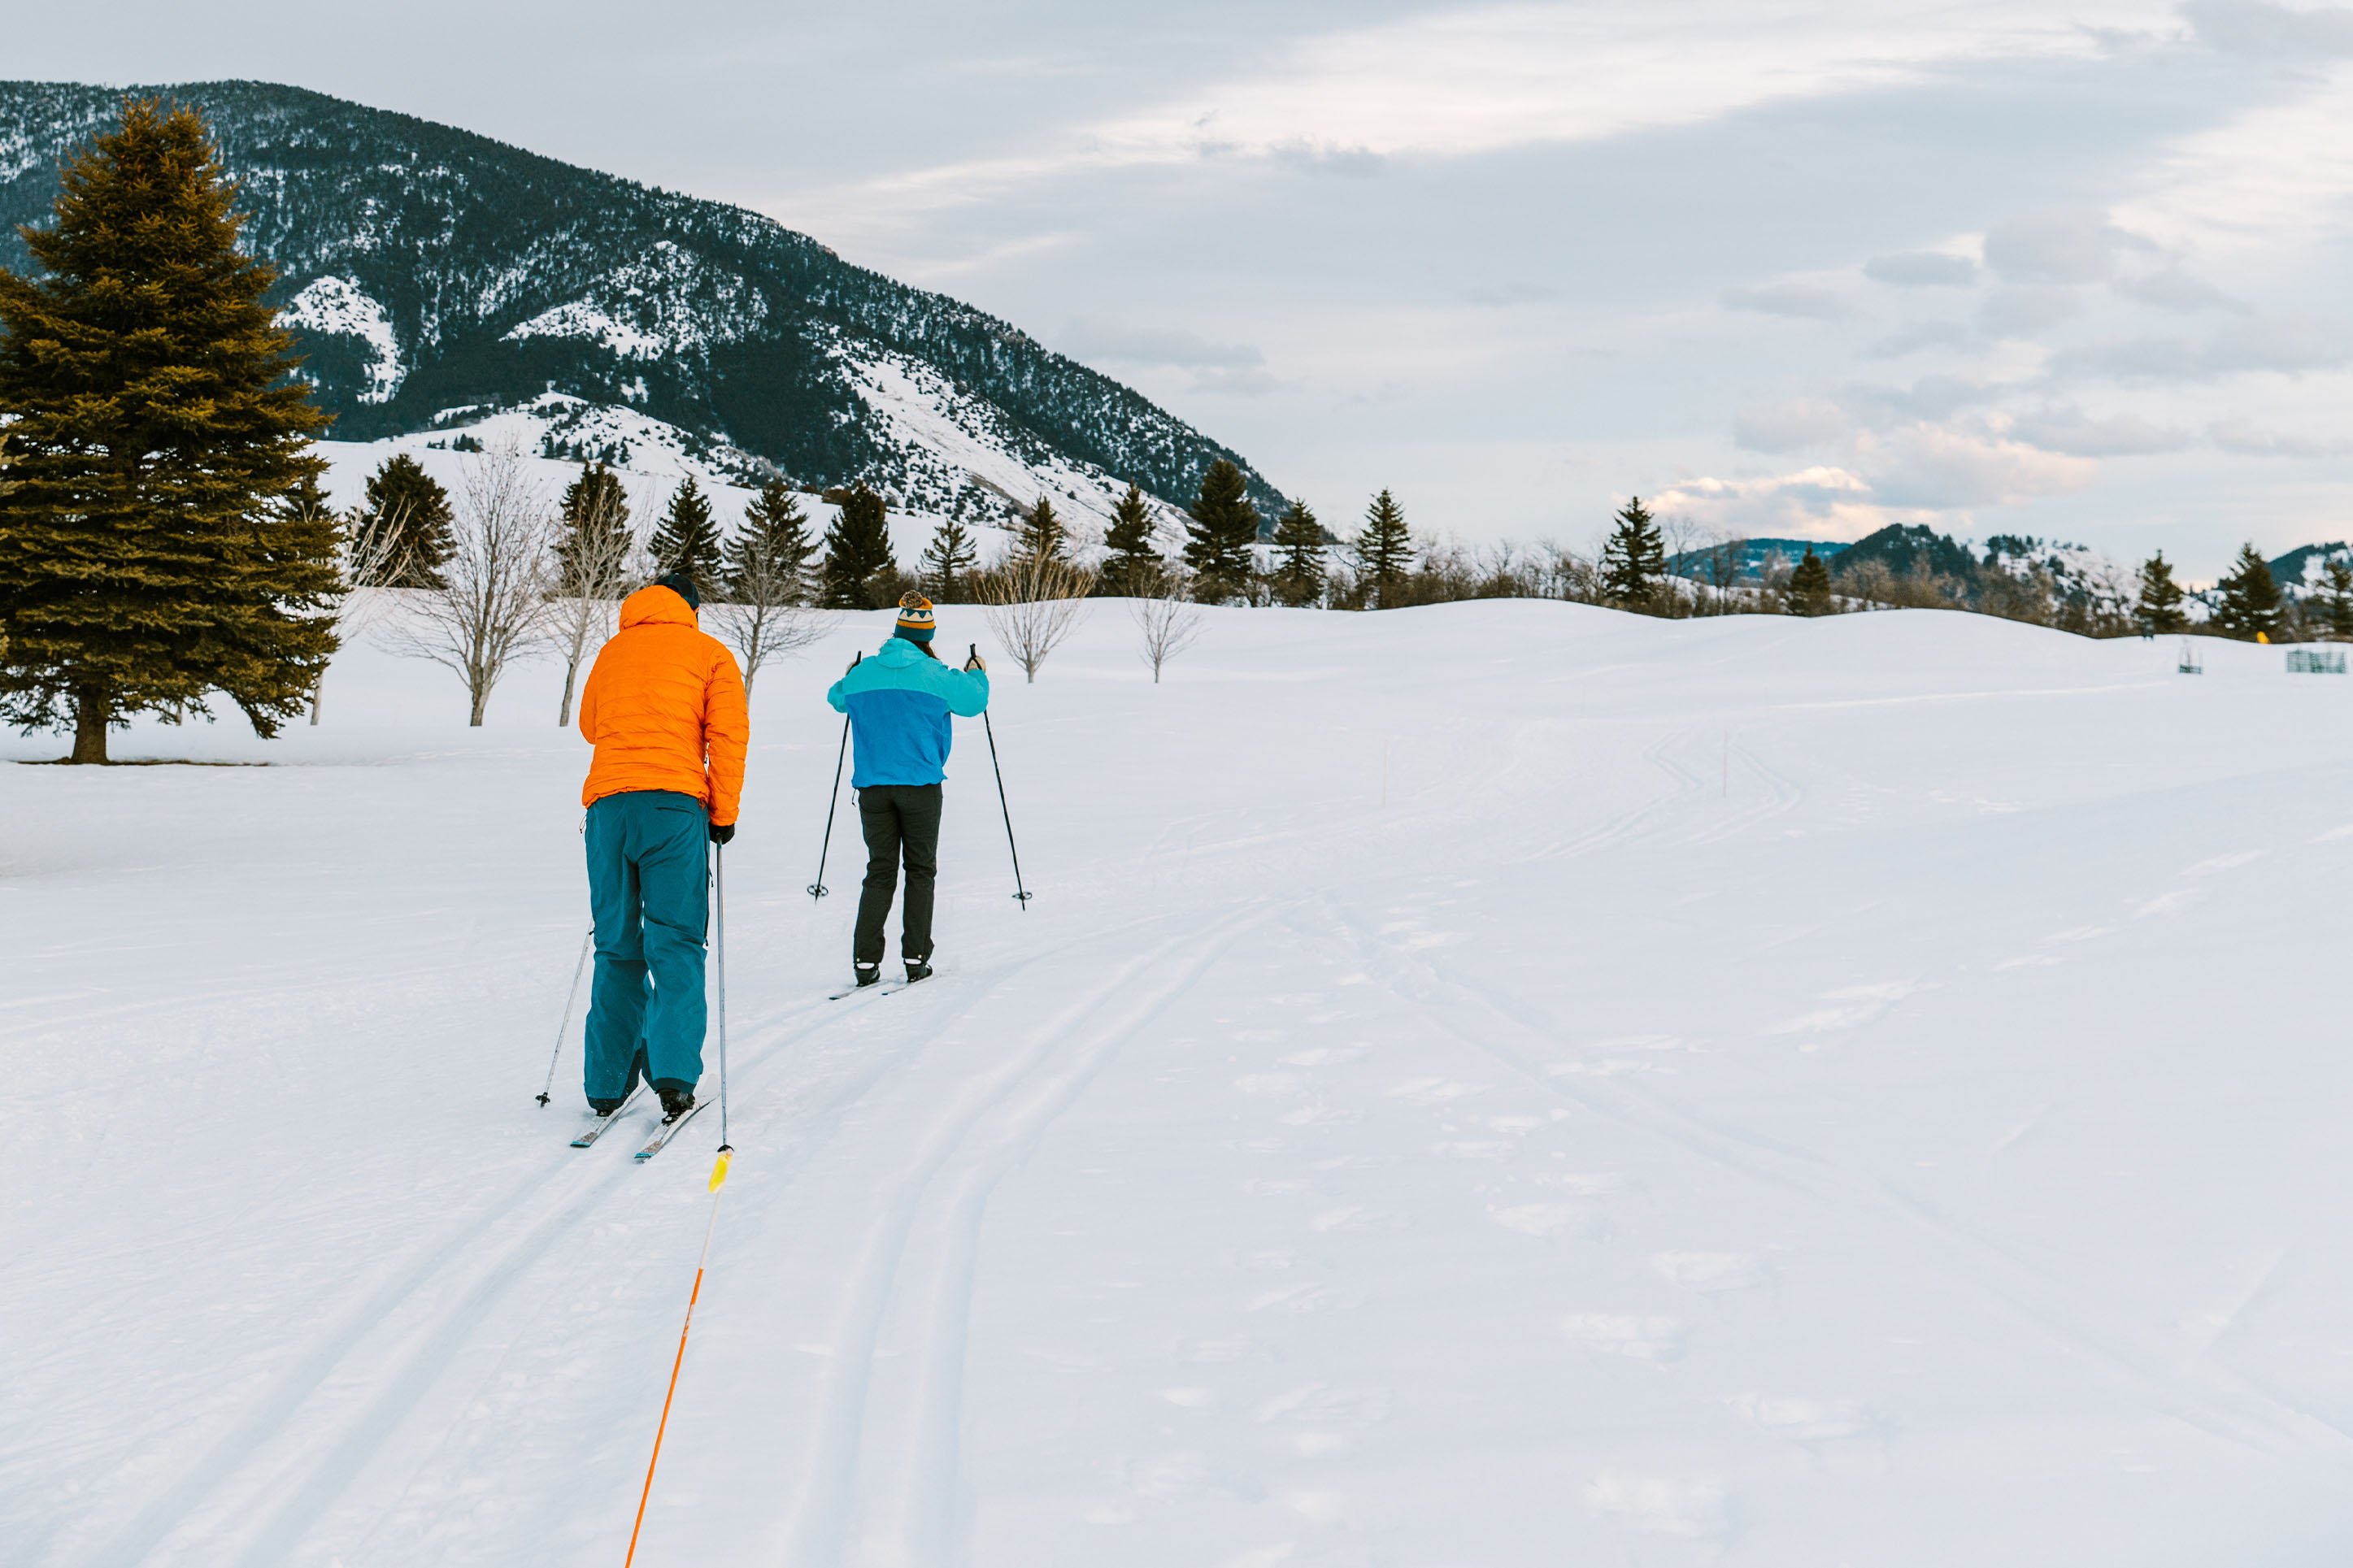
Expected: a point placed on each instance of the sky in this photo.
(1799, 270)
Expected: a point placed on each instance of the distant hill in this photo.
(433, 274)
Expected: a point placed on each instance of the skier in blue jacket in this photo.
(899, 702)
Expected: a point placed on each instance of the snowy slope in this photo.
(1496, 1084)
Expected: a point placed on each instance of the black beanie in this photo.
(682, 584)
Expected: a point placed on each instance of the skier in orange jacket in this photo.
(664, 707)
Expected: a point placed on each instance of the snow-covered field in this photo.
(1501, 1084)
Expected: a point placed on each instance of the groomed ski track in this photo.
(1745, 1094)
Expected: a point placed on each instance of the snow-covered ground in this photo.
(1490, 1085)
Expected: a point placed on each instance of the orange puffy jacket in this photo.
(664, 707)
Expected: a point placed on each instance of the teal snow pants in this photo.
(648, 888)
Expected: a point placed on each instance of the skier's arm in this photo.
(965, 691)
(726, 734)
(588, 707)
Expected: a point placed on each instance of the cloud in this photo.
(1821, 502)
(1088, 338)
(2242, 439)
(1918, 336)
(2058, 244)
(2022, 309)
(2067, 428)
(1790, 425)
(1939, 469)
(2174, 289)
(1795, 298)
(2256, 27)
(1922, 270)
(1930, 397)
(2289, 345)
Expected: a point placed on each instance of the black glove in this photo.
(721, 834)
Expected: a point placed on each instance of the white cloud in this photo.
(2287, 344)
(2174, 289)
(2242, 439)
(2278, 175)
(1087, 338)
(1941, 470)
(2058, 244)
(2023, 309)
(2066, 428)
(1922, 270)
(1803, 299)
(2257, 27)
(1790, 425)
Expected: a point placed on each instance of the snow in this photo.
(1499, 1084)
(333, 306)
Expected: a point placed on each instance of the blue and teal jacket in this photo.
(899, 700)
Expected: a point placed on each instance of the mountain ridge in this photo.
(431, 273)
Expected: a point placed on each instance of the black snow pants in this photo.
(898, 820)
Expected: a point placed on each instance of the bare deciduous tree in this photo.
(591, 573)
(766, 615)
(369, 561)
(492, 605)
(1031, 603)
(1169, 621)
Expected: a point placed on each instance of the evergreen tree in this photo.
(858, 553)
(773, 545)
(2249, 605)
(947, 562)
(1810, 586)
(688, 540)
(2337, 606)
(308, 498)
(2159, 610)
(1042, 535)
(1131, 563)
(594, 535)
(1299, 545)
(147, 557)
(1635, 558)
(1384, 550)
(1218, 538)
(404, 498)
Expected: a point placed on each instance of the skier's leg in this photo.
(617, 995)
(672, 840)
(919, 827)
(878, 815)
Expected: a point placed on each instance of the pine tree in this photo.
(1131, 563)
(1298, 544)
(404, 498)
(2249, 605)
(595, 536)
(1041, 536)
(1635, 558)
(772, 546)
(147, 557)
(308, 498)
(947, 562)
(1218, 538)
(857, 552)
(2159, 610)
(1810, 586)
(1383, 550)
(688, 540)
(2336, 604)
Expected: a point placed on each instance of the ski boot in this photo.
(867, 974)
(675, 1102)
(918, 970)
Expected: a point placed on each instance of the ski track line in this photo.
(820, 1512)
(1631, 824)
(368, 1433)
(1830, 1186)
(156, 1522)
(933, 1520)
(1782, 792)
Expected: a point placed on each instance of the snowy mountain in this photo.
(435, 275)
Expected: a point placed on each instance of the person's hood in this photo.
(899, 651)
(656, 606)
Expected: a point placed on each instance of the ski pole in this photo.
(1022, 888)
(565, 1027)
(718, 1179)
(721, 852)
(817, 889)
